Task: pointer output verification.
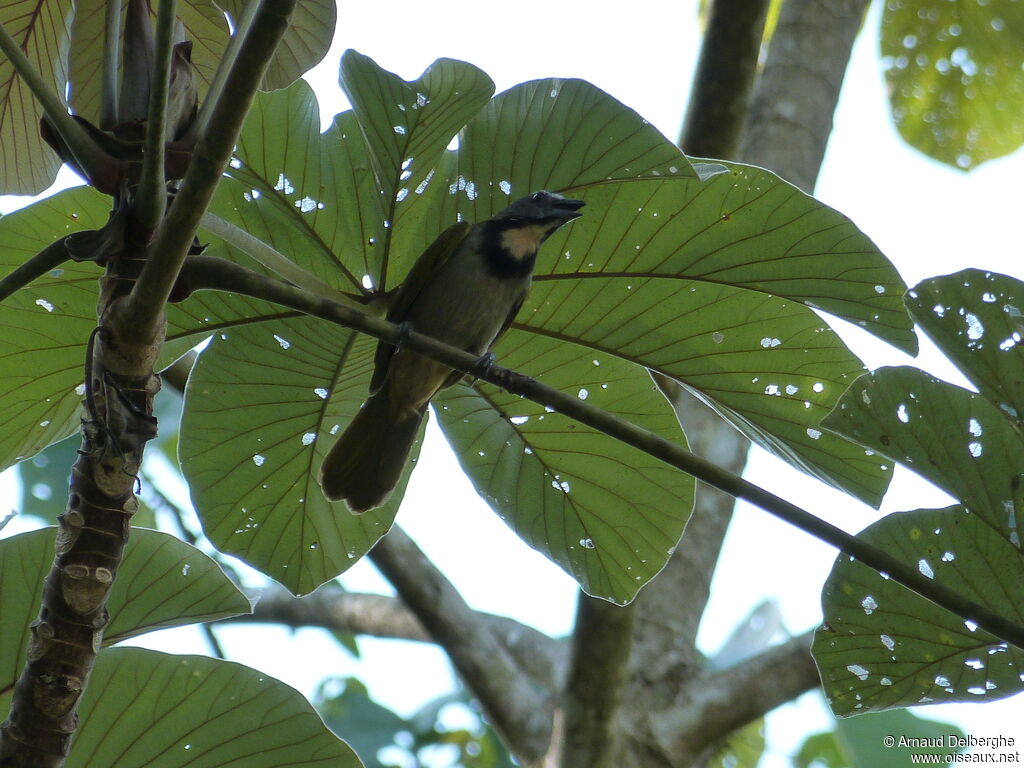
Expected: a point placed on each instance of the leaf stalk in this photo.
(90, 157)
(151, 198)
(111, 63)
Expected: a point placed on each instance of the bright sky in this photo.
(928, 219)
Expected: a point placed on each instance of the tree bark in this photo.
(541, 658)
(597, 672)
(790, 118)
(519, 711)
(117, 422)
(718, 703)
(727, 69)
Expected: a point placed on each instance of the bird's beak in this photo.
(567, 209)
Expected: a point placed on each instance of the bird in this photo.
(465, 289)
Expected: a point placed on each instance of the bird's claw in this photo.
(484, 367)
(404, 330)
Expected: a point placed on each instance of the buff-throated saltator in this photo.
(465, 289)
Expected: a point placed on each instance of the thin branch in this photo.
(51, 257)
(519, 710)
(271, 258)
(111, 64)
(207, 272)
(713, 706)
(336, 610)
(216, 651)
(224, 68)
(144, 306)
(94, 162)
(151, 198)
(542, 658)
(724, 79)
(597, 674)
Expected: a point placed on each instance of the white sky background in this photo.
(926, 218)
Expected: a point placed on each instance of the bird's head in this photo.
(529, 221)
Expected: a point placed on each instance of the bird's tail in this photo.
(364, 466)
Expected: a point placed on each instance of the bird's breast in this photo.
(464, 306)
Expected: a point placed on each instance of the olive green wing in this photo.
(432, 259)
(457, 375)
(511, 317)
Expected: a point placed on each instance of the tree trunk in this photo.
(116, 424)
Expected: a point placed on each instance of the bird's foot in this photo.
(484, 367)
(404, 330)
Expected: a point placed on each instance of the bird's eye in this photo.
(537, 196)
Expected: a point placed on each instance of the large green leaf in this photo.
(545, 134)
(162, 582)
(40, 27)
(304, 44)
(262, 406)
(957, 439)
(407, 125)
(312, 197)
(608, 514)
(977, 319)
(970, 445)
(956, 77)
(745, 228)
(47, 325)
(883, 646)
(874, 651)
(163, 711)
